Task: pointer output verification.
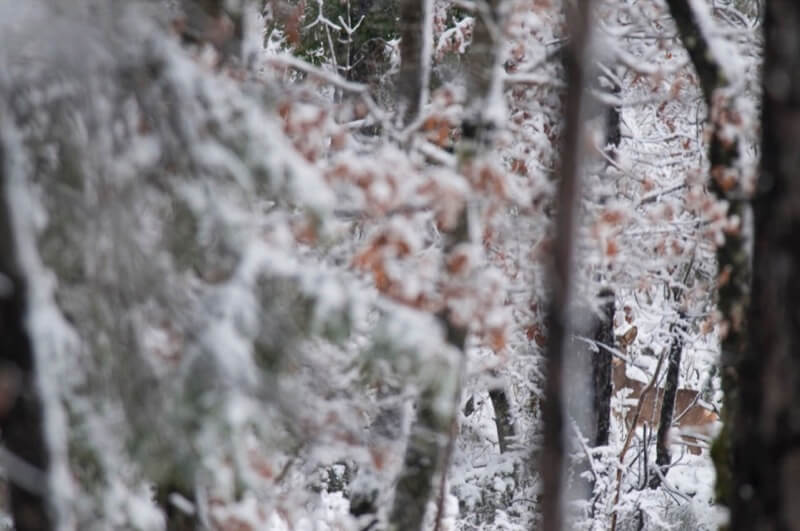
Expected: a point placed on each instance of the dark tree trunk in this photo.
(604, 326)
(561, 275)
(697, 46)
(177, 519)
(766, 431)
(479, 63)
(613, 131)
(663, 456)
(21, 414)
(425, 453)
(476, 140)
(601, 369)
(503, 420)
(410, 78)
(421, 460)
(733, 259)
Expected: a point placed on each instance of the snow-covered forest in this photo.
(399, 265)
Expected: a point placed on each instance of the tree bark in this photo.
(415, 485)
(604, 326)
(561, 274)
(503, 419)
(479, 64)
(766, 431)
(426, 454)
(705, 64)
(601, 370)
(21, 411)
(410, 78)
(663, 455)
(733, 259)
(475, 141)
(613, 130)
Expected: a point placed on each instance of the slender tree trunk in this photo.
(613, 131)
(424, 453)
(696, 44)
(386, 427)
(663, 456)
(415, 485)
(604, 326)
(475, 141)
(766, 431)
(733, 259)
(601, 370)
(411, 79)
(427, 452)
(559, 322)
(479, 64)
(503, 419)
(21, 412)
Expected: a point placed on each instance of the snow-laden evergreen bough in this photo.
(157, 202)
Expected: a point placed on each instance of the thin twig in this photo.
(648, 388)
(586, 450)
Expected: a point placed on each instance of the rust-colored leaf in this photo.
(497, 339)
